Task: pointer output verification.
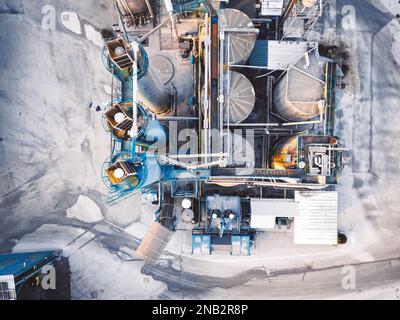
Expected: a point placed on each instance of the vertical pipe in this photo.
(170, 10)
(133, 131)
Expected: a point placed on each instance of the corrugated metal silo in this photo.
(241, 97)
(299, 93)
(241, 43)
(153, 91)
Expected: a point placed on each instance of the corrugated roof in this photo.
(259, 55)
(281, 54)
(317, 220)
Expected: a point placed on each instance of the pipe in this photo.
(134, 129)
(284, 185)
(148, 34)
(176, 118)
(189, 166)
(170, 10)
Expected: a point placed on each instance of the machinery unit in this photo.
(285, 154)
(246, 135)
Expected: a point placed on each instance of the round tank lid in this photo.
(119, 173)
(119, 117)
(242, 97)
(241, 43)
(163, 67)
(119, 51)
(186, 203)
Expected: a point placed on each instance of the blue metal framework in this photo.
(24, 266)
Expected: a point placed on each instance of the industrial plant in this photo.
(242, 141)
(199, 150)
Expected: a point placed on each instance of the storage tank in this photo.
(153, 86)
(241, 97)
(284, 154)
(154, 74)
(299, 94)
(241, 44)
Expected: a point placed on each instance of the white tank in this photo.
(298, 94)
(240, 44)
(241, 97)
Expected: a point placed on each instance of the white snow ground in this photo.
(85, 209)
(52, 148)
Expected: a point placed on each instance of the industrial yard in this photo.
(188, 149)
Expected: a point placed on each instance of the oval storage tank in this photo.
(153, 91)
(298, 94)
(284, 154)
(241, 44)
(241, 97)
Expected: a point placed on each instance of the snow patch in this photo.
(93, 35)
(85, 209)
(137, 229)
(48, 237)
(70, 21)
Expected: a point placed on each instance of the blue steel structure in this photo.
(143, 166)
(24, 266)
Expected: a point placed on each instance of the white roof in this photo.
(281, 54)
(264, 211)
(271, 7)
(317, 220)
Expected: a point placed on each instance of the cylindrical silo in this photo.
(239, 44)
(298, 94)
(241, 97)
(153, 91)
(284, 154)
